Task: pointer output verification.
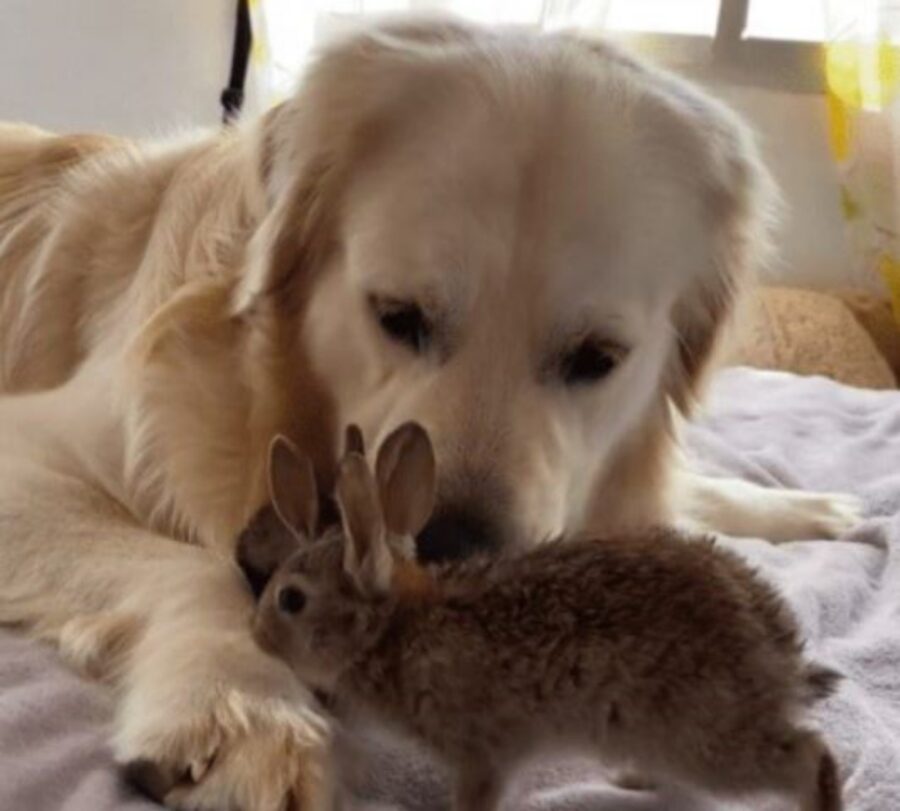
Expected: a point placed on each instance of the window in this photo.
(792, 20)
(664, 16)
(799, 20)
(768, 43)
(765, 42)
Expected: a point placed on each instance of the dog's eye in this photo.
(403, 322)
(291, 600)
(589, 362)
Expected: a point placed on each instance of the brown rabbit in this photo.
(658, 650)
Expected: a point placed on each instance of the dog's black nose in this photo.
(454, 534)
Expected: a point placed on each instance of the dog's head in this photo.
(528, 244)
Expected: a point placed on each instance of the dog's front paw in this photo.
(230, 752)
(832, 515)
(795, 515)
(743, 509)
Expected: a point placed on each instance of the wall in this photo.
(133, 67)
(793, 135)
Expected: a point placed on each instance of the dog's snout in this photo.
(454, 534)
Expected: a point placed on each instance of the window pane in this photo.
(786, 19)
(670, 16)
(499, 11)
(863, 20)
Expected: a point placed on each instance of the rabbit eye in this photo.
(291, 600)
(403, 322)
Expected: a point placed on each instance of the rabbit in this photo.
(658, 649)
(268, 538)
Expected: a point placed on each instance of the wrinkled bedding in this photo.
(770, 428)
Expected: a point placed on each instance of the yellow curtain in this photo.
(862, 64)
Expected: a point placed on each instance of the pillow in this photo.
(809, 333)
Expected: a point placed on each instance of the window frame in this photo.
(728, 57)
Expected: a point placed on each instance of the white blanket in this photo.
(774, 429)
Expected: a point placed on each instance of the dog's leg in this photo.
(739, 508)
(212, 720)
(229, 724)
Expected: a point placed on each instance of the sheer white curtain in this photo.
(862, 61)
(287, 31)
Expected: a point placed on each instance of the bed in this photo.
(769, 427)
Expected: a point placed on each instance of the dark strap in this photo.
(232, 97)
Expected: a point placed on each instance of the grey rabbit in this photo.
(658, 649)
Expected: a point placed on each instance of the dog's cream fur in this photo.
(166, 308)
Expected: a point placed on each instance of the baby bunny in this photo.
(658, 650)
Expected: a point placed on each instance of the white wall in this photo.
(133, 67)
(793, 134)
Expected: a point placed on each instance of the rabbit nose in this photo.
(454, 534)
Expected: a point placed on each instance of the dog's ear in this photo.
(367, 556)
(406, 475)
(717, 159)
(292, 488)
(740, 203)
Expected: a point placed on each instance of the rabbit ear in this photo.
(406, 479)
(367, 558)
(353, 440)
(292, 487)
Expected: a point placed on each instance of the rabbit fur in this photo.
(659, 649)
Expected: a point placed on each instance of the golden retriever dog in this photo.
(527, 243)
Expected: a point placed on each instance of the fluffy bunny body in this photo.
(657, 650)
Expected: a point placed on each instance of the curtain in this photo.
(862, 64)
(286, 32)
